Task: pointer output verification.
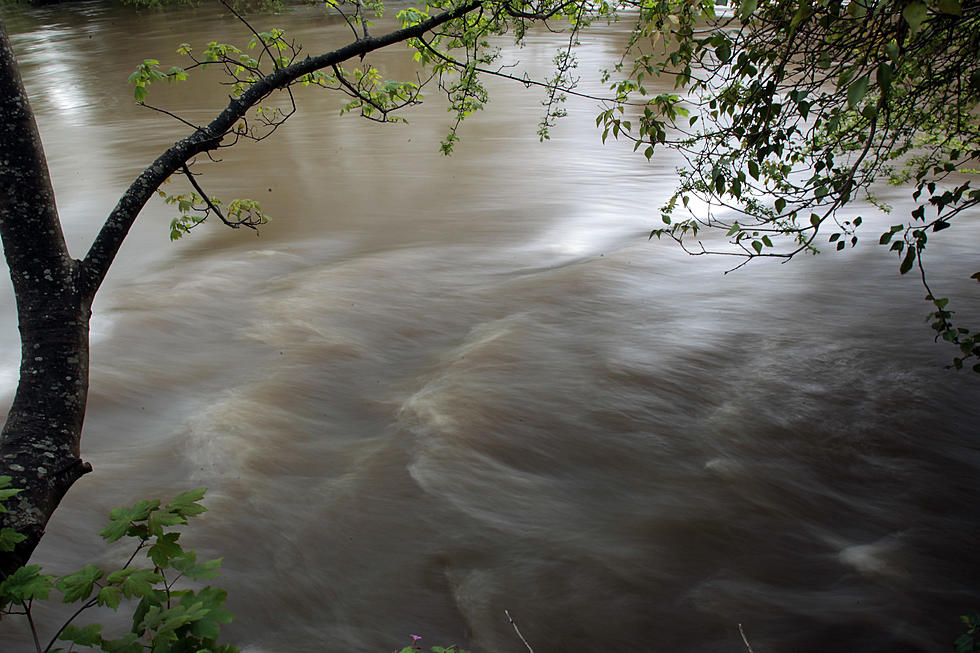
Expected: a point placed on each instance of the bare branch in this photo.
(745, 639)
(169, 113)
(526, 81)
(518, 631)
(258, 38)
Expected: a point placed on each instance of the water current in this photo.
(433, 389)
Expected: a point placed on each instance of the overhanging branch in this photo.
(103, 251)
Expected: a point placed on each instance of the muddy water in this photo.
(434, 389)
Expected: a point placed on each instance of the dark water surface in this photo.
(435, 389)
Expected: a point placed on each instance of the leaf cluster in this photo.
(969, 641)
(196, 207)
(169, 616)
(789, 110)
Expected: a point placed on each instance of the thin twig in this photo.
(30, 621)
(518, 631)
(526, 81)
(745, 639)
(364, 22)
(88, 604)
(204, 196)
(347, 20)
(258, 38)
(169, 113)
(133, 557)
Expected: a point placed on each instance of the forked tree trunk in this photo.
(39, 444)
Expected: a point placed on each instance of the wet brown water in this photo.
(435, 389)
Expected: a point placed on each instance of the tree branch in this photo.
(103, 251)
(518, 631)
(33, 241)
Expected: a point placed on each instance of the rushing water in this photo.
(437, 388)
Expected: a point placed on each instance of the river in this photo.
(433, 389)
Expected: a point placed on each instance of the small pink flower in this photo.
(415, 638)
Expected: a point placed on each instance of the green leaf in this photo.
(128, 643)
(160, 519)
(6, 491)
(856, 91)
(187, 565)
(83, 636)
(78, 586)
(857, 9)
(209, 625)
(884, 76)
(110, 596)
(891, 48)
(164, 549)
(134, 581)
(186, 504)
(963, 643)
(142, 608)
(746, 8)
(907, 261)
(914, 13)
(757, 246)
(723, 51)
(9, 539)
(951, 7)
(165, 620)
(26, 583)
(120, 519)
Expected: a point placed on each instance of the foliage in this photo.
(969, 642)
(791, 110)
(786, 112)
(169, 616)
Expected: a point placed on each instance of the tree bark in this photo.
(39, 443)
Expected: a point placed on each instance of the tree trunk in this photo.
(39, 443)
